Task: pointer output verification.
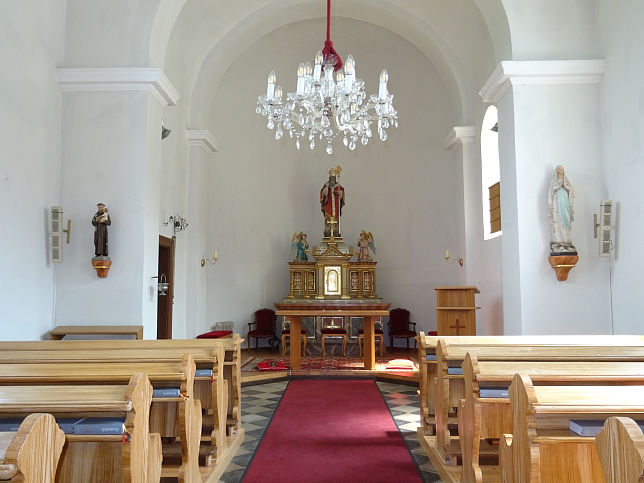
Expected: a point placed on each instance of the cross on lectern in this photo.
(457, 326)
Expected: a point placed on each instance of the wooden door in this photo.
(164, 302)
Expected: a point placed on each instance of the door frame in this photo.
(164, 328)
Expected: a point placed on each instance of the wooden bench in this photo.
(444, 449)
(427, 358)
(481, 418)
(135, 458)
(621, 450)
(219, 394)
(171, 417)
(31, 454)
(542, 447)
(231, 366)
(110, 330)
(450, 388)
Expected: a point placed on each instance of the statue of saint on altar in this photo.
(331, 203)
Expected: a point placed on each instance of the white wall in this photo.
(558, 124)
(483, 261)
(407, 192)
(200, 162)
(551, 29)
(110, 154)
(31, 36)
(109, 34)
(622, 120)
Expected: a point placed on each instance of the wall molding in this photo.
(458, 136)
(202, 138)
(540, 72)
(126, 79)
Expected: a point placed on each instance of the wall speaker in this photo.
(606, 232)
(56, 234)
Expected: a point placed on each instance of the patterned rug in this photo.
(329, 364)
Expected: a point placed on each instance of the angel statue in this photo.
(561, 210)
(364, 244)
(300, 244)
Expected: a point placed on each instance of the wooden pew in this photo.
(482, 418)
(31, 454)
(543, 448)
(621, 450)
(175, 417)
(213, 392)
(427, 358)
(450, 388)
(231, 366)
(220, 394)
(136, 458)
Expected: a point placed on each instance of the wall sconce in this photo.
(212, 260)
(178, 222)
(162, 284)
(450, 260)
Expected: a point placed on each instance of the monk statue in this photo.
(101, 221)
(331, 203)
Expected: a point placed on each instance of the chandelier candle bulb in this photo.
(349, 72)
(278, 93)
(382, 91)
(270, 89)
(318, 66)
(300, 79)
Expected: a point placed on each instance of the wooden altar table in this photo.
(369, 311)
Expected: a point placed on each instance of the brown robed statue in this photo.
(101, 221)
(331, 202)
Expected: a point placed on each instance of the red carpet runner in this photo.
(332, 431)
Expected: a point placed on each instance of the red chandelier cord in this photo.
(328, 52)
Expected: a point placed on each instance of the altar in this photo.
(369, 311)
(338, 283)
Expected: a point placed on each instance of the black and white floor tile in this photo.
(402, 401)
(260, 401)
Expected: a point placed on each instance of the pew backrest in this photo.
(621, 450)
(32, 453)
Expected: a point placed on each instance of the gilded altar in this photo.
(332, 276)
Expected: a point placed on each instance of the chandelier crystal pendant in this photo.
(324, 107)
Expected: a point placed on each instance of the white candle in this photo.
(215, 256)
(382, 91)
(270, 88)
(446, 254)
(317, 70)
(300, 79)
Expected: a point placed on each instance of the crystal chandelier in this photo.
(323, 107)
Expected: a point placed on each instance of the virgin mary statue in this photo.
(561, 210)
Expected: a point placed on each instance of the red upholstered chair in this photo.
(399, 326)
(331, 329)
(264, 327)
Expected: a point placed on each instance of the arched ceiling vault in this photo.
(207, 38)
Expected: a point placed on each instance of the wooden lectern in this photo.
(456, 310)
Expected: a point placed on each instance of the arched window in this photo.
(490, 174)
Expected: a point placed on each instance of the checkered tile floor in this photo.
(259, 403)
